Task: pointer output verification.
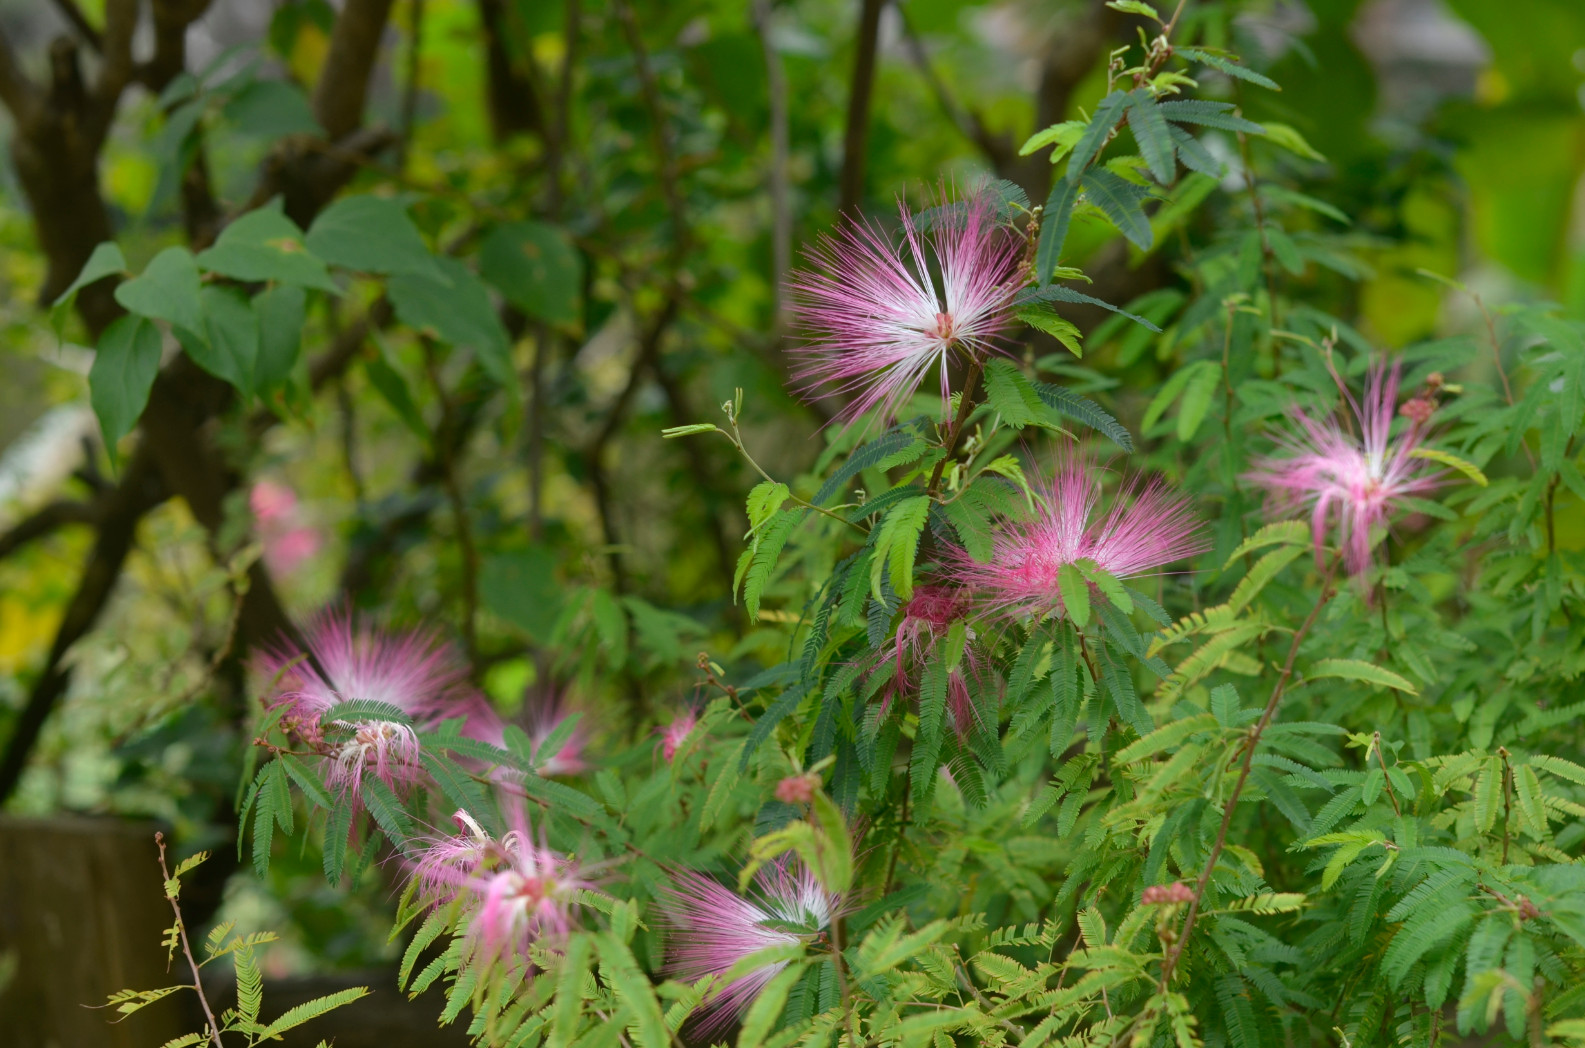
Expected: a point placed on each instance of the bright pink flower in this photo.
(883, 315)
(712, 928)
(516, 891)
(1357, 479)
(545, 708)
(673, 735)
(412, 671)
(1147, 528)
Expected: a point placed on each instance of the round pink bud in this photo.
(798, 789)
(1418, 410)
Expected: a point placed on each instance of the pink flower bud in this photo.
(798, 789)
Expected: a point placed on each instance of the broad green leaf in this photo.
(167, 289)
(227, 344)
(1354, 669)
(1107, 113)
(536, 267)
(1197, 394)
(281, 311)
(1289, 138)
(371, 234)
(265, 245)
(105, 261)
(125, 364)
(456, 309)
(392, 387)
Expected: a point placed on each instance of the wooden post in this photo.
(82, 915)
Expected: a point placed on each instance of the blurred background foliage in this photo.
(633, 179)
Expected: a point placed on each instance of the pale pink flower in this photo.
(516, 892)
(798, 789)
(288, 541)
(711, 929)
(545, 708)
(882, 315)
(1146, 528)
(927, 618)
(674, 734)
(413, 671)
(1354, 479)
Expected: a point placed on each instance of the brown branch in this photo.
(344, 82)
(855, 139)
(187, 949)
(73, 14)
(17, 92)
(415, 51)
(511, 95)
(1169, 961)
(44, 521)
(660, 131)
(140, 490)
(959, 424)
(121, 22)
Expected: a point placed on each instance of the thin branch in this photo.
(415, 51)
(187, 949)
(780, 195)
(855, 139)
(44, 521)
(1169, 961)
(73, 14)
(959, 424)
(660, 130)
(998, 151)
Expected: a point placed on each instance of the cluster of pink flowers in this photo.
(1166, 894)
(345, 661)
(1355, 480)
(1146, 528)
(927, 617)
(516, 893)
(881, 318)
(713, 928)
(287, 539)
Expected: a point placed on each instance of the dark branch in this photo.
(79, 21)
(855, 140)
(139, 491)
(344, 83)
(44, 521)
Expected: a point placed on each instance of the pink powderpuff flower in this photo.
(711, 929)
(288, 542)
(881, 317)
(413, 671)
(545, 708)
(1146, 528)
(927, 618)
(674, 734)
(1356, 479)
(518, 894)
